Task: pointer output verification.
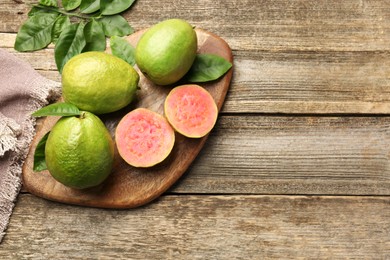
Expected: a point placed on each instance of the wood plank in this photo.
(203, 227)
(13, 14)
(255, 154)
(310, 82)
(261, 24)
(282, 82)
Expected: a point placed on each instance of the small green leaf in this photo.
(35, 33)
(94, 37)
(48, 2)
(70, 43)
(115, 25)
(58, 109)
(122, 49)
(89, 6)
(207, 67)
(70, 4)
(61, 23)
(110, 7)
(39, 155)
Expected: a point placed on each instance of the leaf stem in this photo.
(61, 11)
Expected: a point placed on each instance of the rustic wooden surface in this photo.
(297, 166)
(203, 227)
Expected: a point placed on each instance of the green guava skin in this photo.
(79, 151)
(166, 51)
(99, 82)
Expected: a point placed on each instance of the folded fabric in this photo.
(22, 91)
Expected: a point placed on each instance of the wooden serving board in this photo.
(127, 186)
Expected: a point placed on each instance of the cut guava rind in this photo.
(191, 110)
(144, 138)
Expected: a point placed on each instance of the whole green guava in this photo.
(166, 51)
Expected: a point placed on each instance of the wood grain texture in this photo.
(348, 25)
(203, 227)
(286, 82)
(260, 154)
(257, 154)
(316, 61)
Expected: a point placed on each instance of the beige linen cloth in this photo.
(22, 91)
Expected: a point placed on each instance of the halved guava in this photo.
(191, 110)
(144, 138)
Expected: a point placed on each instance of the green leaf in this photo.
(110, 7)
(35, 10)
(42, 9)
(70, 43)
(94, 37)
(61, 23)
(89, 6)
(115, 25)
(122, 49)
(207, 67)
(58, 109)
(48, 2)
(71, 4)
(39, 154)
(35, 33)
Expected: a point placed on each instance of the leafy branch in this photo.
(44, 8)
(78, 26)
(92, 21)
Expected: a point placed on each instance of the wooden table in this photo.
(296, 167)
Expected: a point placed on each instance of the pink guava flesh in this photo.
(191, 110)
(144, 138)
